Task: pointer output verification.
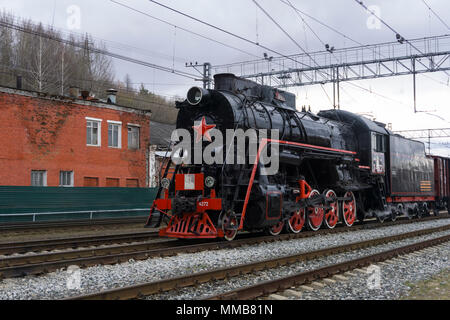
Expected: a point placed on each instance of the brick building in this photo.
(60, 141)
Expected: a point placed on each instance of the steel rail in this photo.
(8, 248)
(19, 266)
(32, 226)
(269, 287)
(137, 291)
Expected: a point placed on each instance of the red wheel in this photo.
(332, 214)
(231, 222)
(276, 229)
(297, 221)
(315, 214)
(349, 209)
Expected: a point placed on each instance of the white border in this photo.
(93, 119)
(99, 121)
(120, 134)
(133, 125)
(115, 122)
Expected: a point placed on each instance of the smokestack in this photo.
(74, 92)
(112, 96)
(19, 82)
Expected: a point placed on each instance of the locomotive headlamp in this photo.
(165, 183)
(209, 182)
(196, 95)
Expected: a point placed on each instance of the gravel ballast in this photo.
(221, 286)
(94, 279)
(396, 278)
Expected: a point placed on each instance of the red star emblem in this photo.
(202, 130)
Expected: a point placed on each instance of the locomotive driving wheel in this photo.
(349, 209)
(276, 229)
(331, 214)
(296, 221)
(229, 225)
(315, 214)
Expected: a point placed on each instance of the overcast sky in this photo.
(130, 33)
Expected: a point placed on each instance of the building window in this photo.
(66, 178)
(114, 134)
(133, 137)
(90, 182)
(132, 183)
(93, 132)
(112, 182)
(38, 178)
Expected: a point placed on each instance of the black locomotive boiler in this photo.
(334, 167)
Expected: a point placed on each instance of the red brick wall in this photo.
(49, 134)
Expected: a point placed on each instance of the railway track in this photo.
(147, 289)
(286, 283)
(39, 226)
(35, 264)
(10, 248)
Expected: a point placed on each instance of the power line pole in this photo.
(206, 73)
(62, 69)
(414, 83)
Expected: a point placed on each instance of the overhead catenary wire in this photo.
(187, 30)
(280, 27)
(112, 44)
(398, 35)
(99, 51)
(436, 15)
(227, 32)
(291, 38)
(288, 3)
(184, 29)
(304, 21)
(313, 60)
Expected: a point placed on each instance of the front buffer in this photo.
(188, 215)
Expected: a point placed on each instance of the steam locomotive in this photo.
(334, 167)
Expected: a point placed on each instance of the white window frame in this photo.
(99, 140)
(119, 138)
(139, 138)
(44, 178)
(71, 178)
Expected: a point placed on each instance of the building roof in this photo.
(65, 99)
(160, 133)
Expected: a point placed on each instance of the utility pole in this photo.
(414, 83)
(40, 65)
(62, 70)
(336, 89)
(206, 74)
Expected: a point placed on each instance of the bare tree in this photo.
(51, 66)
(6, 51)
(128, 83)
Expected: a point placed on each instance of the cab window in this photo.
(378, 142)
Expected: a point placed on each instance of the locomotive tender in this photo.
(334, 167)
